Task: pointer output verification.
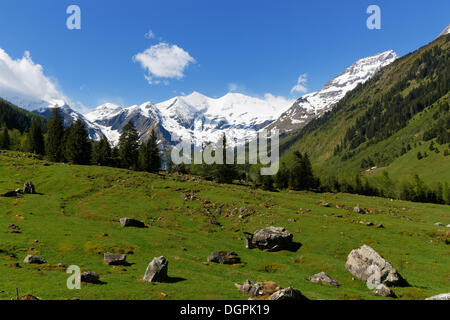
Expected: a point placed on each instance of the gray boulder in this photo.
(250, 288)
(224, 257)
(129, 222)
(324, 278)
(90, 277)
(115, 259)
(31, 259)
(357, 209)
(288, 294)
(269, 239)
(384, 291)
(365, 263)
(28, 188)
(157, 270)
(443, 296)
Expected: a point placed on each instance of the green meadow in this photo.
(75, 219)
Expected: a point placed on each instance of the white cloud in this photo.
(233, 87)
(150, 35)
(279, 101)
(301, 84)
(164, 61)
(24, 80)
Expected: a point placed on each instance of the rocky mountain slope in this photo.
(315, 104)
(395, 124)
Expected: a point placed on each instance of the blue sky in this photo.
(254, 47)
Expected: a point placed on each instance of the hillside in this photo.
(74, 219)
(379, 128)
(17, 118)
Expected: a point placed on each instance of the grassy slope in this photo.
(79, 204)
(320, 143)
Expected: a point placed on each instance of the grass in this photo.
(75, 219)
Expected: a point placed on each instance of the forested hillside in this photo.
(393, 130)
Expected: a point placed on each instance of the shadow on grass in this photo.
(174, 279)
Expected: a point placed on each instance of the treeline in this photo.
(73, 145)
(414, 189)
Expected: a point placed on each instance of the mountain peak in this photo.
(445, 31)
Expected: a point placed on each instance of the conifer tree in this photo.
(129, 147)
(5, 141)
(149, 157)
(77, 146)
(102, 154)
(36, 139)
(55, 136)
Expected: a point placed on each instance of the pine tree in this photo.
(149, 158)
(129, 147)
(36, 139)
(5, 141)
(224, 173)
(77, 146)
(102, 154)
(55, 136)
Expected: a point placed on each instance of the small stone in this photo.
(324, 278)
(288, 294)
(384, 291)
(357, 209)
(115, 259)
(224, 257)
(90, 277)
(443, 296)
(128, 222)
(31, 259)
(29, 297)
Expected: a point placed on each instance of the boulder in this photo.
(251, 289)
(157, 270)
(269, 239)
(31, 259)
(288, 294)
(224, 257)
(28, 188)
(115, 259)
(29, 297)
(259, 289)
(384, 291)
(357, 209)
(443, 296)
(129, 222)
(365, 263)
(90, 277)
(324, 278)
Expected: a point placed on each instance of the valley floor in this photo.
(74, 219)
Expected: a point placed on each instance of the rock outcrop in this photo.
(269, 239)
(157, 270)
(366, 264)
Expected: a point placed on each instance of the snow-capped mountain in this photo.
(202, 119)
(445, 31)
(316, 104)
(194, 117)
